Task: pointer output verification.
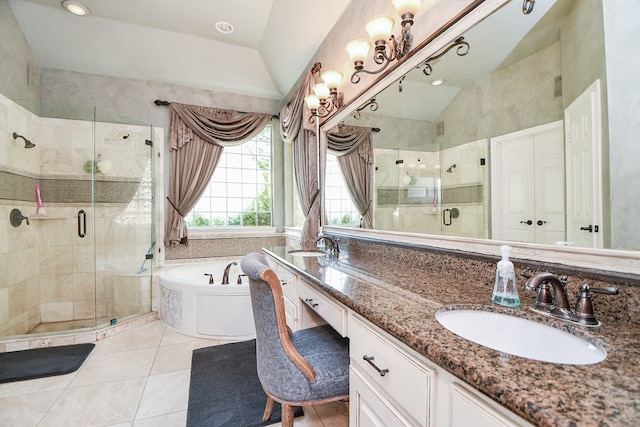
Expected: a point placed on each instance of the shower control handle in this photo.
(82, 223)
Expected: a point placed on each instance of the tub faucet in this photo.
(225, 275)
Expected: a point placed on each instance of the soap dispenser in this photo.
(505, 291)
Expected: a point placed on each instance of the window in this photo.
(339, 207)
(239, 192)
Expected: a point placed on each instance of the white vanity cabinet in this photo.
(403, 387)
(390, 383)
(414, 391)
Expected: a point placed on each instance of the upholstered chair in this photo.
(303, 368)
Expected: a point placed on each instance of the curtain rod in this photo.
(163, 103)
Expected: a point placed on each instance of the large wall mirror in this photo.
(505, 138)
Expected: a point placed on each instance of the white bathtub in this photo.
(190, 305)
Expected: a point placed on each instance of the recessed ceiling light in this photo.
(76, 8)
(436, 82)
(224, 27)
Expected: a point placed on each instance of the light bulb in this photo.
(332, 78)
(321, 90)
(313, 102)
(406, 6)
(379, 28)
(358, 50)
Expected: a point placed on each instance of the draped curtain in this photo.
(197, 136)
(353, 147)
(295, 127)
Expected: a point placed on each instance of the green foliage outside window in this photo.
(256, 209)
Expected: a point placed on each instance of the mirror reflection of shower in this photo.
(451, 168)
(27, 143)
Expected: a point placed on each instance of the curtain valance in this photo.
(213, 125)
(349, 138)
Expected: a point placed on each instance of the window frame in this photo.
(226, 228)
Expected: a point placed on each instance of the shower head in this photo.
(451, 168)
(27, 143)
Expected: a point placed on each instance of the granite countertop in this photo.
(403, 301)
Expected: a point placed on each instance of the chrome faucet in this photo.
(331, 244)
(225, 275)
(558, 307)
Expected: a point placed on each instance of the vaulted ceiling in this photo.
(175, 41)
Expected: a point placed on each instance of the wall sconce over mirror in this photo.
(387, 48)
(325, 98)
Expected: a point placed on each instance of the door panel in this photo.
(584, 172)
(528, 198)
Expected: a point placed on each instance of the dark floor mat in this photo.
(225, 389)
(42, 362)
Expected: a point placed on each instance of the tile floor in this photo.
(137, 378)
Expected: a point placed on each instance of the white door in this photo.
(549, 217)
(584, 170)
(527, 185)
(517, 180)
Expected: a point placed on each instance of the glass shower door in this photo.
(85, 183)
(124, 227)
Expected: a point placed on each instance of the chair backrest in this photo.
(280, 365)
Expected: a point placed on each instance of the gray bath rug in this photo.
(225, 389)
(42, 362)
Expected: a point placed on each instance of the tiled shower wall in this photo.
(46, 269)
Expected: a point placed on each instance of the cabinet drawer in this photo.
(470, 408)
(407, 383)
(367, 407)
(333, 314)
(291, 314)
(289, 281)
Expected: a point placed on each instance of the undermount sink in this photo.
(306, 252)
(521, 337)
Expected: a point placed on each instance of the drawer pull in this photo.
(370, 359)
(283, 282)
(310, 302)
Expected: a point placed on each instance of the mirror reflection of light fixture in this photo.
(387, 48)
(462, 49)
(372, 104)
(325, 98)
(75, 7)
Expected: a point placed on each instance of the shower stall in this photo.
(437, 189)
(77, 232)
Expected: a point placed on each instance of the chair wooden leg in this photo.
(268, 409)
(287, 416)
